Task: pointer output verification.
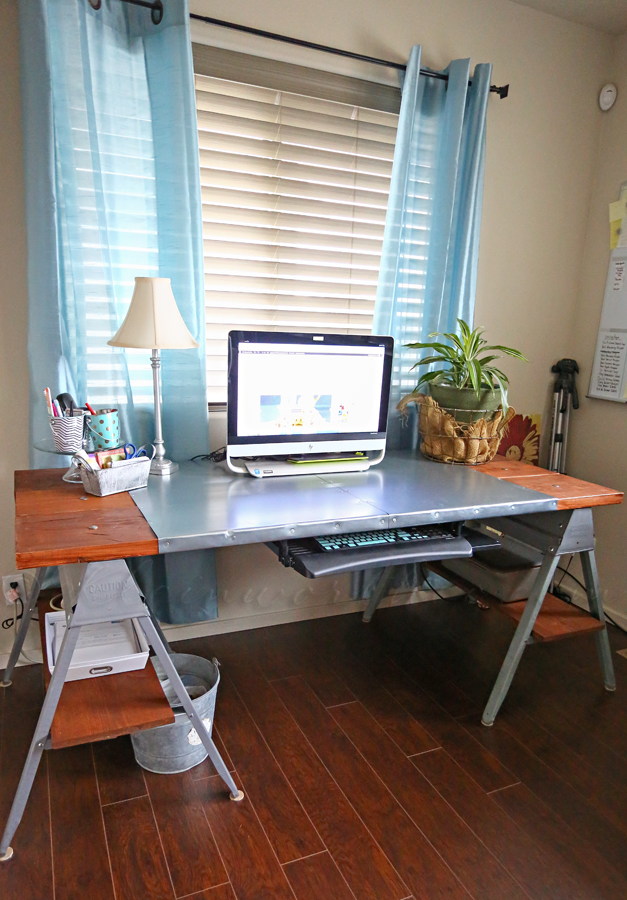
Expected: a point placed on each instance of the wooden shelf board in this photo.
(571, 493)
(556, 620)
(501, 467)
(63, 538)
(58, 523)
(96, 709)
(68, 497)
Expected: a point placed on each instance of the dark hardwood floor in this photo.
(367, 774)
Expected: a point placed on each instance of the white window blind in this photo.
(294, 192)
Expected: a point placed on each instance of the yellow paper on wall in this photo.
(618, 211)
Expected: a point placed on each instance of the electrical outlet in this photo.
(7, 581)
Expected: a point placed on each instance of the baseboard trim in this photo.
(580, 599)
(224, 625)
(282, 617)
(619, 618)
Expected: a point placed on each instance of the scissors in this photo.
(130, 451)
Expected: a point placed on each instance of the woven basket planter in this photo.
(471, 442)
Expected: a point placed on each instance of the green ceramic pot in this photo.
(464, 404)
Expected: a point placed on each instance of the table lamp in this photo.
(153, 321)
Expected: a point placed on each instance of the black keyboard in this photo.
(411, 534)
(339, 553)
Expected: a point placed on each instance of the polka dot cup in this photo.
(105, 429)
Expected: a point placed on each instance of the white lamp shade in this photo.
(153, 319)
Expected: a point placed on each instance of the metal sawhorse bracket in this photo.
(555, 534)
(98, 592)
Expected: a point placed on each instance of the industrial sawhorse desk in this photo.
(202, 506)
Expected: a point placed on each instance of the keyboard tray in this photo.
(304, 556)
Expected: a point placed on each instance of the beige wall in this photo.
(13, 298)
(542, 147)
(599, 429)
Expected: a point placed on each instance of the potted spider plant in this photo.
(469, 379)
(463, 419)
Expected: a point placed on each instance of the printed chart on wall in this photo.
(609, 372)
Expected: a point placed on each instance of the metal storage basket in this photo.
(103, 482)
(459, 436)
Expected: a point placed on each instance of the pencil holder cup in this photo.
(105, 429)
(67, 433)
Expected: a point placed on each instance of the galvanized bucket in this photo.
(177, 748)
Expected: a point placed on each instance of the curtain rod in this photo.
(156, 8)
(298, 42)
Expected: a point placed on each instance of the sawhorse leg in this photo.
(591, 578)
(115, 597)
(42, 730)
(158, 629)
(521, 636)
(380, 591)
(18, 643)
(175, 680)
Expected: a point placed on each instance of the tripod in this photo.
(564, 394)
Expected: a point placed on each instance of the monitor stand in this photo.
(269, 468)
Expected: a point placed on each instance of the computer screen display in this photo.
(286, 387)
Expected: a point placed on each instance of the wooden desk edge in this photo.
(34, 559)
(120, 513)
(598, 495)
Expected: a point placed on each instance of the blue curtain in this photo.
(428, 270)
(113, 191)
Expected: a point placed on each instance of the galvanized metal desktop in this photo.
(205, 505)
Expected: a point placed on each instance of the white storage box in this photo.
(102, 649)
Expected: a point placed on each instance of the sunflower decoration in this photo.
(521, 440)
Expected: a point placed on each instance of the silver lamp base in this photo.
(163, 467)
(160, 465)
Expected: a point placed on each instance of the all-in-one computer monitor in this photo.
(306, 403)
